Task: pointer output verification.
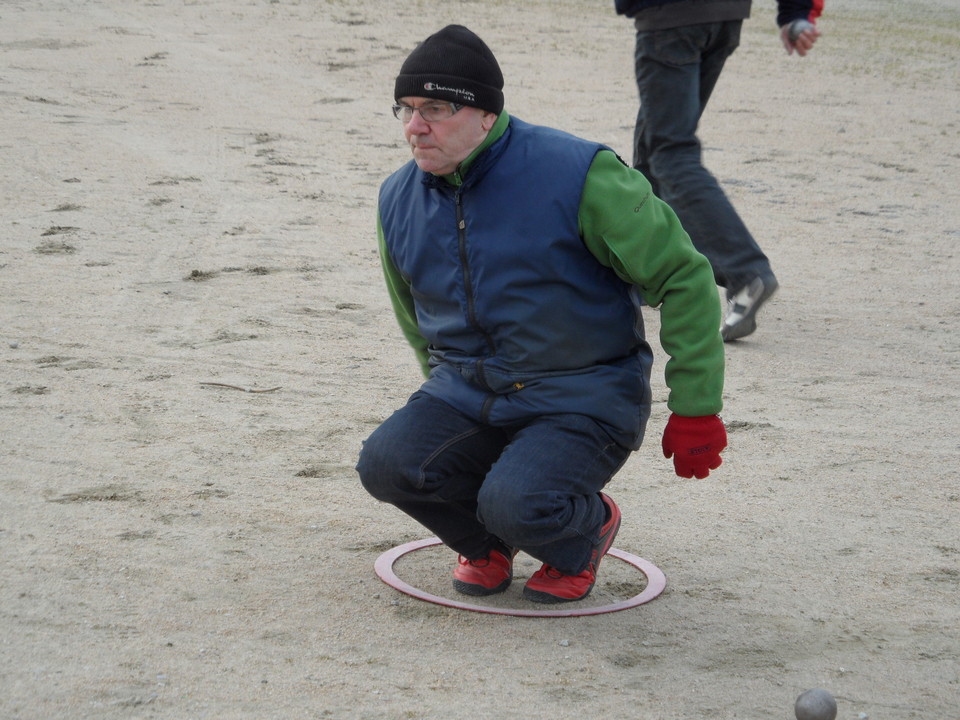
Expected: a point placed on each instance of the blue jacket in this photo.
(520, 318)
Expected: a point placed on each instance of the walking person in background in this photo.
(515, 256)
(681, 48)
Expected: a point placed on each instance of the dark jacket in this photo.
(664, 14)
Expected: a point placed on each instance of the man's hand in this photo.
(799, 35)
(695, 444)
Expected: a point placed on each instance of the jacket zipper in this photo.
(468, 286)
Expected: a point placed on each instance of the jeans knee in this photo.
(503, 515)
(378, 475)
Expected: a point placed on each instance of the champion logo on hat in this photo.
(462, 93)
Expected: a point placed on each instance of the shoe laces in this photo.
(554, 574)
(478, 563)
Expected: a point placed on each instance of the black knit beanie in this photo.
(455, 65)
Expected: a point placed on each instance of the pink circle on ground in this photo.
(656, 582)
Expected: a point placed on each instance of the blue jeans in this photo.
(532, 486)
(676, 71)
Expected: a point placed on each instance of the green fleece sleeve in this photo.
(629, 229)
(402, 301)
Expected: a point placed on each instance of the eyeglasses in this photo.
(431, 113)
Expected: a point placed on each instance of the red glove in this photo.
(695, 444)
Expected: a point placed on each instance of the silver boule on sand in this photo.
(815, 704)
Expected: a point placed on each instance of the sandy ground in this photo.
(188, 196)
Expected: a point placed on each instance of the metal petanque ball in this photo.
(797, 27)
(815, 704)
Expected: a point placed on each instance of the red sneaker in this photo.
(549, 585)
(485, 576)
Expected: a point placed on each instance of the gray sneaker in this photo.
(743, 305)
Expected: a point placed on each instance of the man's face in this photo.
(439, 147)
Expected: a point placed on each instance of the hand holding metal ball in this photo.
(797, 27)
